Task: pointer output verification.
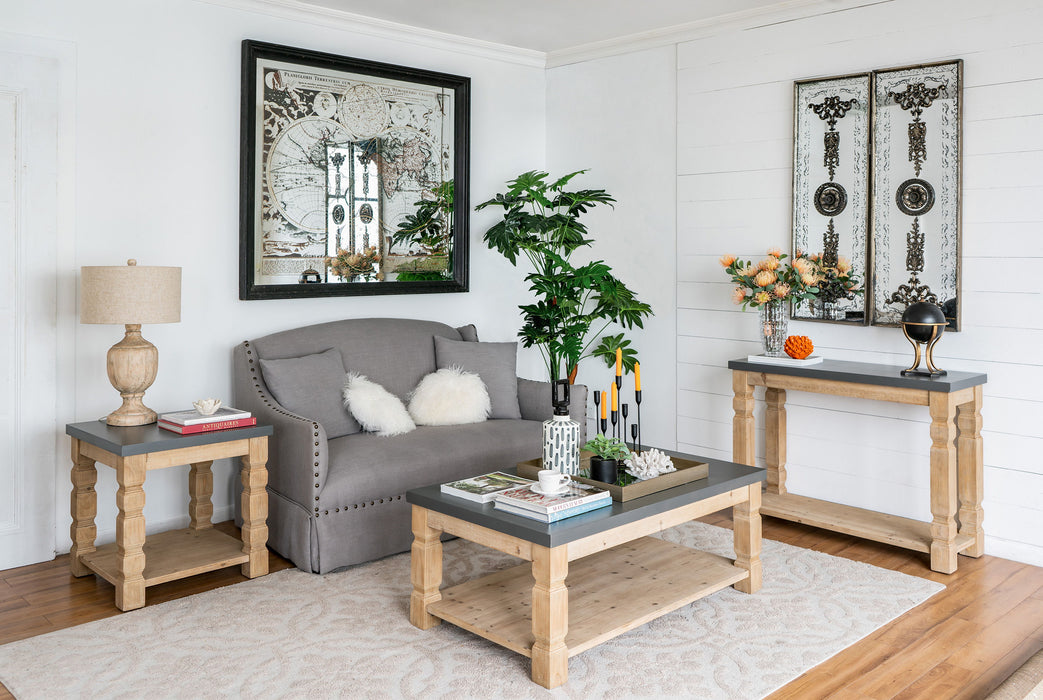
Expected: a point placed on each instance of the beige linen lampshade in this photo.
(131, 295)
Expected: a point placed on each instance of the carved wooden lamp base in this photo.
(132, 364)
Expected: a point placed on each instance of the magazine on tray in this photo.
(482, 489)
(575, 494)
(193, 417)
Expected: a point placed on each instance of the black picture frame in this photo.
(252, 285)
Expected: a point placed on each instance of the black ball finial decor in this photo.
(923, 324)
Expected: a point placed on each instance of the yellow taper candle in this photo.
(619, 361)
(637, 376)
(615, 398)
(604, 404)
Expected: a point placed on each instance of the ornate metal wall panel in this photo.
(916, 190)
(831, 185)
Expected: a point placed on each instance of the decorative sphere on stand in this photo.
(923, 324)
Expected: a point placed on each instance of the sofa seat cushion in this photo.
(365, 467)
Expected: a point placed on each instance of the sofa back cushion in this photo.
(395, 353)
(310, 386)
(495, 363)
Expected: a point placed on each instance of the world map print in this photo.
(311, 201)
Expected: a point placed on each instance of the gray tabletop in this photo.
(724, 477)
(867, 373)
(143, 439)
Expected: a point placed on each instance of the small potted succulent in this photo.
(608, 453)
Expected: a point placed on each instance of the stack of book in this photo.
(576, 499)
(191, 422)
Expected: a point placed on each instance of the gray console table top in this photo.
(867, 373)
(723, 477)
(143, 439)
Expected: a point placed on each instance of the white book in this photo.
(482, 489)
(787, 360)
(194, 417)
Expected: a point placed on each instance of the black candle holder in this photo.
(604, 424)
(637, 399)
(633, 434)
(625, 410)
(597, 403)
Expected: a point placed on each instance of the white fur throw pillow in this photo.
(450, 396)
(375, 408)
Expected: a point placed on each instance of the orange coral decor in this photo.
(798, 346)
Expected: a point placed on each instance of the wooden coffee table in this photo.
(530, 610)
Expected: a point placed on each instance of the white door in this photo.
(28, 317)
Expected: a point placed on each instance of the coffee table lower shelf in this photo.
(610, 592)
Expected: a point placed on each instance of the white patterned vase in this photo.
(561, 445)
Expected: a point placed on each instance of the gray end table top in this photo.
(143, 439)
(867, 373)
(724, 477)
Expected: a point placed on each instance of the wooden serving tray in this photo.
(687, 470)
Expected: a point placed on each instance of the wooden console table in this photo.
(131, 564)
(954, 401)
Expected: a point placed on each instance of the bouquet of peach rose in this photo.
(772, 279)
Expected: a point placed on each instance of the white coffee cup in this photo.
(553, 481)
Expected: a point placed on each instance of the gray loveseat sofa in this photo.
(336, 494)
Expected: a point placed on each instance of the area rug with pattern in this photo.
(347, 634)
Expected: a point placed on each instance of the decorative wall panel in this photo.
(916, 190)
(831, 186)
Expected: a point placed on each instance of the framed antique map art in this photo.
(831, 183)
(354, 176)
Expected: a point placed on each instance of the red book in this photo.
(207, 427)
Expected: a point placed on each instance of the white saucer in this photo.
(536, 489)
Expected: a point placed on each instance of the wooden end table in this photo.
(131, 564)
(606, 555)
(957, 483)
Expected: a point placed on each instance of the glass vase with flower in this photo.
(769, 286)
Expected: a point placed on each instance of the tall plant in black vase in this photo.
(575, 305)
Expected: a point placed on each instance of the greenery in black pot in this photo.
(608, 447)
(575, 305)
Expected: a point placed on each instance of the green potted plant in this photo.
(608, 453)
(575, 304)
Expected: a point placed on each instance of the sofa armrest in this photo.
(297, 451)
(534, 399)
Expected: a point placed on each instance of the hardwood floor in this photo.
(961, 643)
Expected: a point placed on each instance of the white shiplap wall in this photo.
(734, 118)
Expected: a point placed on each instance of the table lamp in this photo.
(131, 295)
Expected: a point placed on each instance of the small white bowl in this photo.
(207, 407)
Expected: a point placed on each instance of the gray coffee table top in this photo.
(724, 477)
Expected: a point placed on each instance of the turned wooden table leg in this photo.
(970, 468)
(254, 506)
(943, 482)
(550, 616)
(130, 532)
(747, 526)
(84, 507)
(775, 443)
(200, 490)
(425, 570)
(743, 444)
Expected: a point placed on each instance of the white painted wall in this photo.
(615, 116)
(734, 160)
(156, 163)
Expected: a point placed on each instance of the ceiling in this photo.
(544, 25)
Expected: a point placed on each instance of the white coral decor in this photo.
(649, 464)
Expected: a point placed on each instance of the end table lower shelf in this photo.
(172, 555)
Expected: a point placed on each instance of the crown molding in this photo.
(338, 19)
(786, 11)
